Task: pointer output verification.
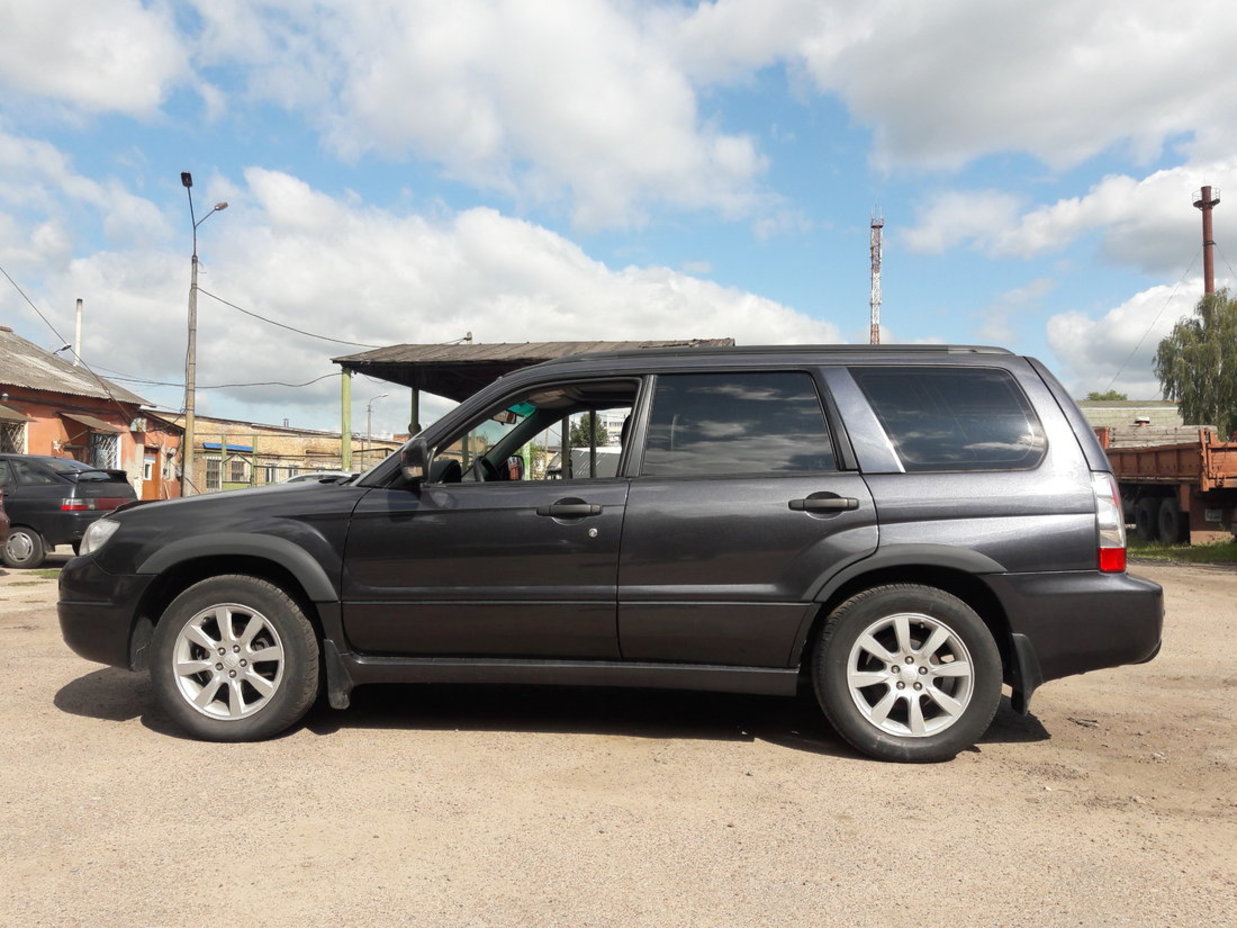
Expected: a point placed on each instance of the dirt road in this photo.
(1114, 803)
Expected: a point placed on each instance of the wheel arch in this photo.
(177, 574)
(279, 552)
(960, 574)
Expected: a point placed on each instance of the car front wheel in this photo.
(235, 659)
(24, 548)
(907, 673)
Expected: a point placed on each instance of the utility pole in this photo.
(369, 426)
(77, 336)
(1206, 202)
(878, 223)
(191, 354)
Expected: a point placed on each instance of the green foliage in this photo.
(1107, 395)
(578, 436)
(1197, 363)
(1220, 552)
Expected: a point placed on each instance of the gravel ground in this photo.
(1114, 803)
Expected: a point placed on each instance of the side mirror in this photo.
(414, 461)
(515, 467)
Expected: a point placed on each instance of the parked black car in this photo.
(51, 500)
(903, 528)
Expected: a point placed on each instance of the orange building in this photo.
(48, 405)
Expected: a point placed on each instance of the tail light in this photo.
(1109, 524)
(73, 504)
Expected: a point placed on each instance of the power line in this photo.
(127, 378)
(1176, 287)
(1224, 258)
(103, 385)
(325, 338)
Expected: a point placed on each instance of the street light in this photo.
(369, 418)
(191, 355)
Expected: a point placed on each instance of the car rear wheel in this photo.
(24, 548)
(907, 673)
(235, 659)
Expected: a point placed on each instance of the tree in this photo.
(1107, 395)
(578, 436)
(1197, 363)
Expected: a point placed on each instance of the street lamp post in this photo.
(191, 354)
(369, 420)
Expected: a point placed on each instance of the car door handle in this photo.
(824, 504)
(569, 510)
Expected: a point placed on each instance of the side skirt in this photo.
(344, 671)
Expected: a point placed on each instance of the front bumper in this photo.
(1066, 623)
(98, 611)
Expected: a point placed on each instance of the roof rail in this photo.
(742, 350)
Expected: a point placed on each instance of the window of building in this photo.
(965, 418)
(103, 451)
(236, 470)
(12, 438)
(737, 423)
(214, 470)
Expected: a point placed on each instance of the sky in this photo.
(412, 171)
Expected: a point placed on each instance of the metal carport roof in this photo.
(458, 371)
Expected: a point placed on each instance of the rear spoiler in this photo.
(117, 475)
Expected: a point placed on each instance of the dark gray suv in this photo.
(906, 528)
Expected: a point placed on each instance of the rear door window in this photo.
(744, 422)
(30, 475)
(951, 419)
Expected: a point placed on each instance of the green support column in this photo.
(345, 421)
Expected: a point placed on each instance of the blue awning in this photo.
(216, 446)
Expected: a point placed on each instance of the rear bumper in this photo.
(62, 528)
(1066, 623)
(96, 611)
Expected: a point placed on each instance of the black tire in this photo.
(214, 681)
(931, 710)
(1173, 525)
(25, 548)
(1146, 518)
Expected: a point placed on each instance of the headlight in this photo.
(97, 534)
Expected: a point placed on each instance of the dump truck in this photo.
(1178, 483)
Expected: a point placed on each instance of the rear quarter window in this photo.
(954, 419)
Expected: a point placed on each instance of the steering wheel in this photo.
(488, 470)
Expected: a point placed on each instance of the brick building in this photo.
(48, 405)
(232, 454)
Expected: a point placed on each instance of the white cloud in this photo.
(596, 104)
(953, 218)
(101, 56)
(544, 102)
(1144, 224)
(946, 82)
(999, 320)
(1117, 351)
(331, 266)
(51, 207)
